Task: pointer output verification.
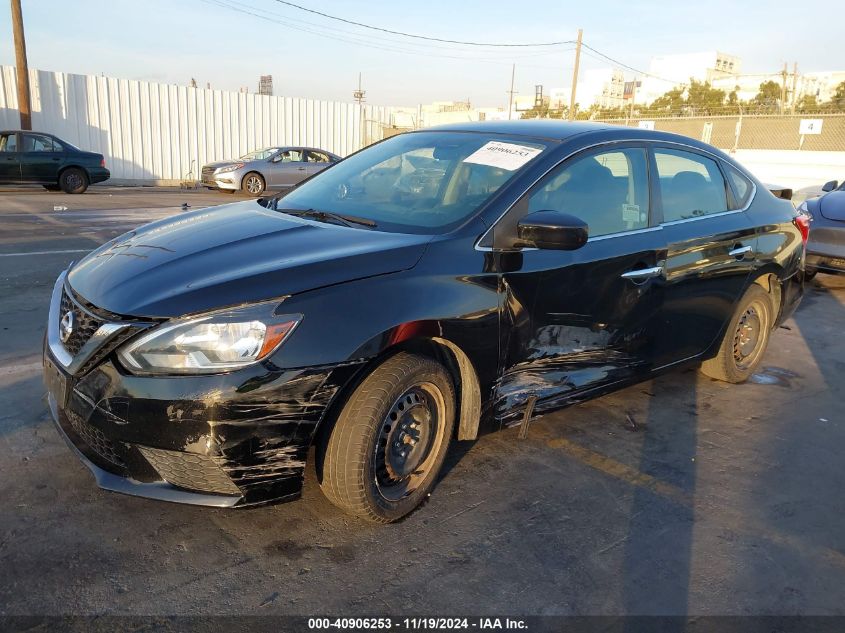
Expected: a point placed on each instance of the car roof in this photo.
(26, 132)
(541, 128)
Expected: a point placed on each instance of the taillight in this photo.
(802, 222)
(102, 162)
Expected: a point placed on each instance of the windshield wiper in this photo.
(347, 220)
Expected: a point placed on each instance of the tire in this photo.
(365, 467)
(52, 187)
(253, 184)
(809, 274)
(746, 338)
(73, 180)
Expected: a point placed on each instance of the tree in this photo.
(668, 104)
(767, 99)
(807, 103)
(702, 98)
(837, 101)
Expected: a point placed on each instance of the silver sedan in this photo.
(268, 168)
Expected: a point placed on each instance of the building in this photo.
(820, 85)
(669, 71)
(265, 85)
(602, 87)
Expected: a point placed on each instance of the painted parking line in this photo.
(73, 250)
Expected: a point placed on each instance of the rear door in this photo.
(711, 246)
(579, 320)
(10, 163)
(287, 168)
(316, 161)
(41, 158)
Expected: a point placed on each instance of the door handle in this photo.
(740, 251)
(642, 274)
(300, 169)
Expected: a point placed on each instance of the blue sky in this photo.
(177, 40)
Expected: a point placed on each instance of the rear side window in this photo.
(691, 185)
(38, 143)
(741, 185)
(607, 190)
(317, 157)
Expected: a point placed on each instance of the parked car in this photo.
(43, 159)
(268, 168)
(378, 314)
(826, 246)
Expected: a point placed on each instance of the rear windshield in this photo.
(423, 182)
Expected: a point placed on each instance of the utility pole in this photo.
(510, 92)
(22, 70)
(575, 75)
(783, 75)
(794, 86)
(633, 97)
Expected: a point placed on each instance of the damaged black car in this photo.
(435, 285)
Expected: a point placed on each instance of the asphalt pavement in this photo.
(681, 495)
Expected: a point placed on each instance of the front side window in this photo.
(422, 182)
(607, 190)
(691, 185)
(8, 143)
(37, 143)
(290, 156)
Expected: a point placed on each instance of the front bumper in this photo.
(230, 180)
(223, 440)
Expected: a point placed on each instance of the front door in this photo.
(582, 320)
(710, 252)
(41, 158)
(287, 168)
(10, 162)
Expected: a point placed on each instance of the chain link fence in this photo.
(806, 132)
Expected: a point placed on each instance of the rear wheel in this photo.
(253, 184)
(386, 450)
(73, 180)
(746, 339)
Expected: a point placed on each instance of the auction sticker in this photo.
(507, 156)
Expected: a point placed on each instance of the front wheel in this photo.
(745, 340)
(390, 440)
(253, 184)
(73, 180)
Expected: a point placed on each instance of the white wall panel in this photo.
(149, 131)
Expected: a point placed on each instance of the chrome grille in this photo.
(207, 173)
(85, 324)
(95, 439)
(189, 471)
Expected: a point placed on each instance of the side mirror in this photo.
(552, 230)
(830, 185)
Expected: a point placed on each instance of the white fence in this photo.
(161, 132)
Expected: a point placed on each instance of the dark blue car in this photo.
(826, 246)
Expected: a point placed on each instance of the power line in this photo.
(636, 70)
(419, 37)
(353, 40)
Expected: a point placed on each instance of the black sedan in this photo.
(43, 159)
(434, 285)
(826, 246)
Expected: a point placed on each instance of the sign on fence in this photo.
(810, 126)
(646, 125)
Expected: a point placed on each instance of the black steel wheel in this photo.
(746, 338)
(73, 180)
(388, 445)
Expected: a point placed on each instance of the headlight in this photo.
(228, 168)
(211, 343)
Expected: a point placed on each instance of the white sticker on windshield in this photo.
(507, 156)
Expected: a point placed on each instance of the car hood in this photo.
(232, 254)
(832, 205)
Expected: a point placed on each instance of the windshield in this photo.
(423, 182)
(260, 154)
